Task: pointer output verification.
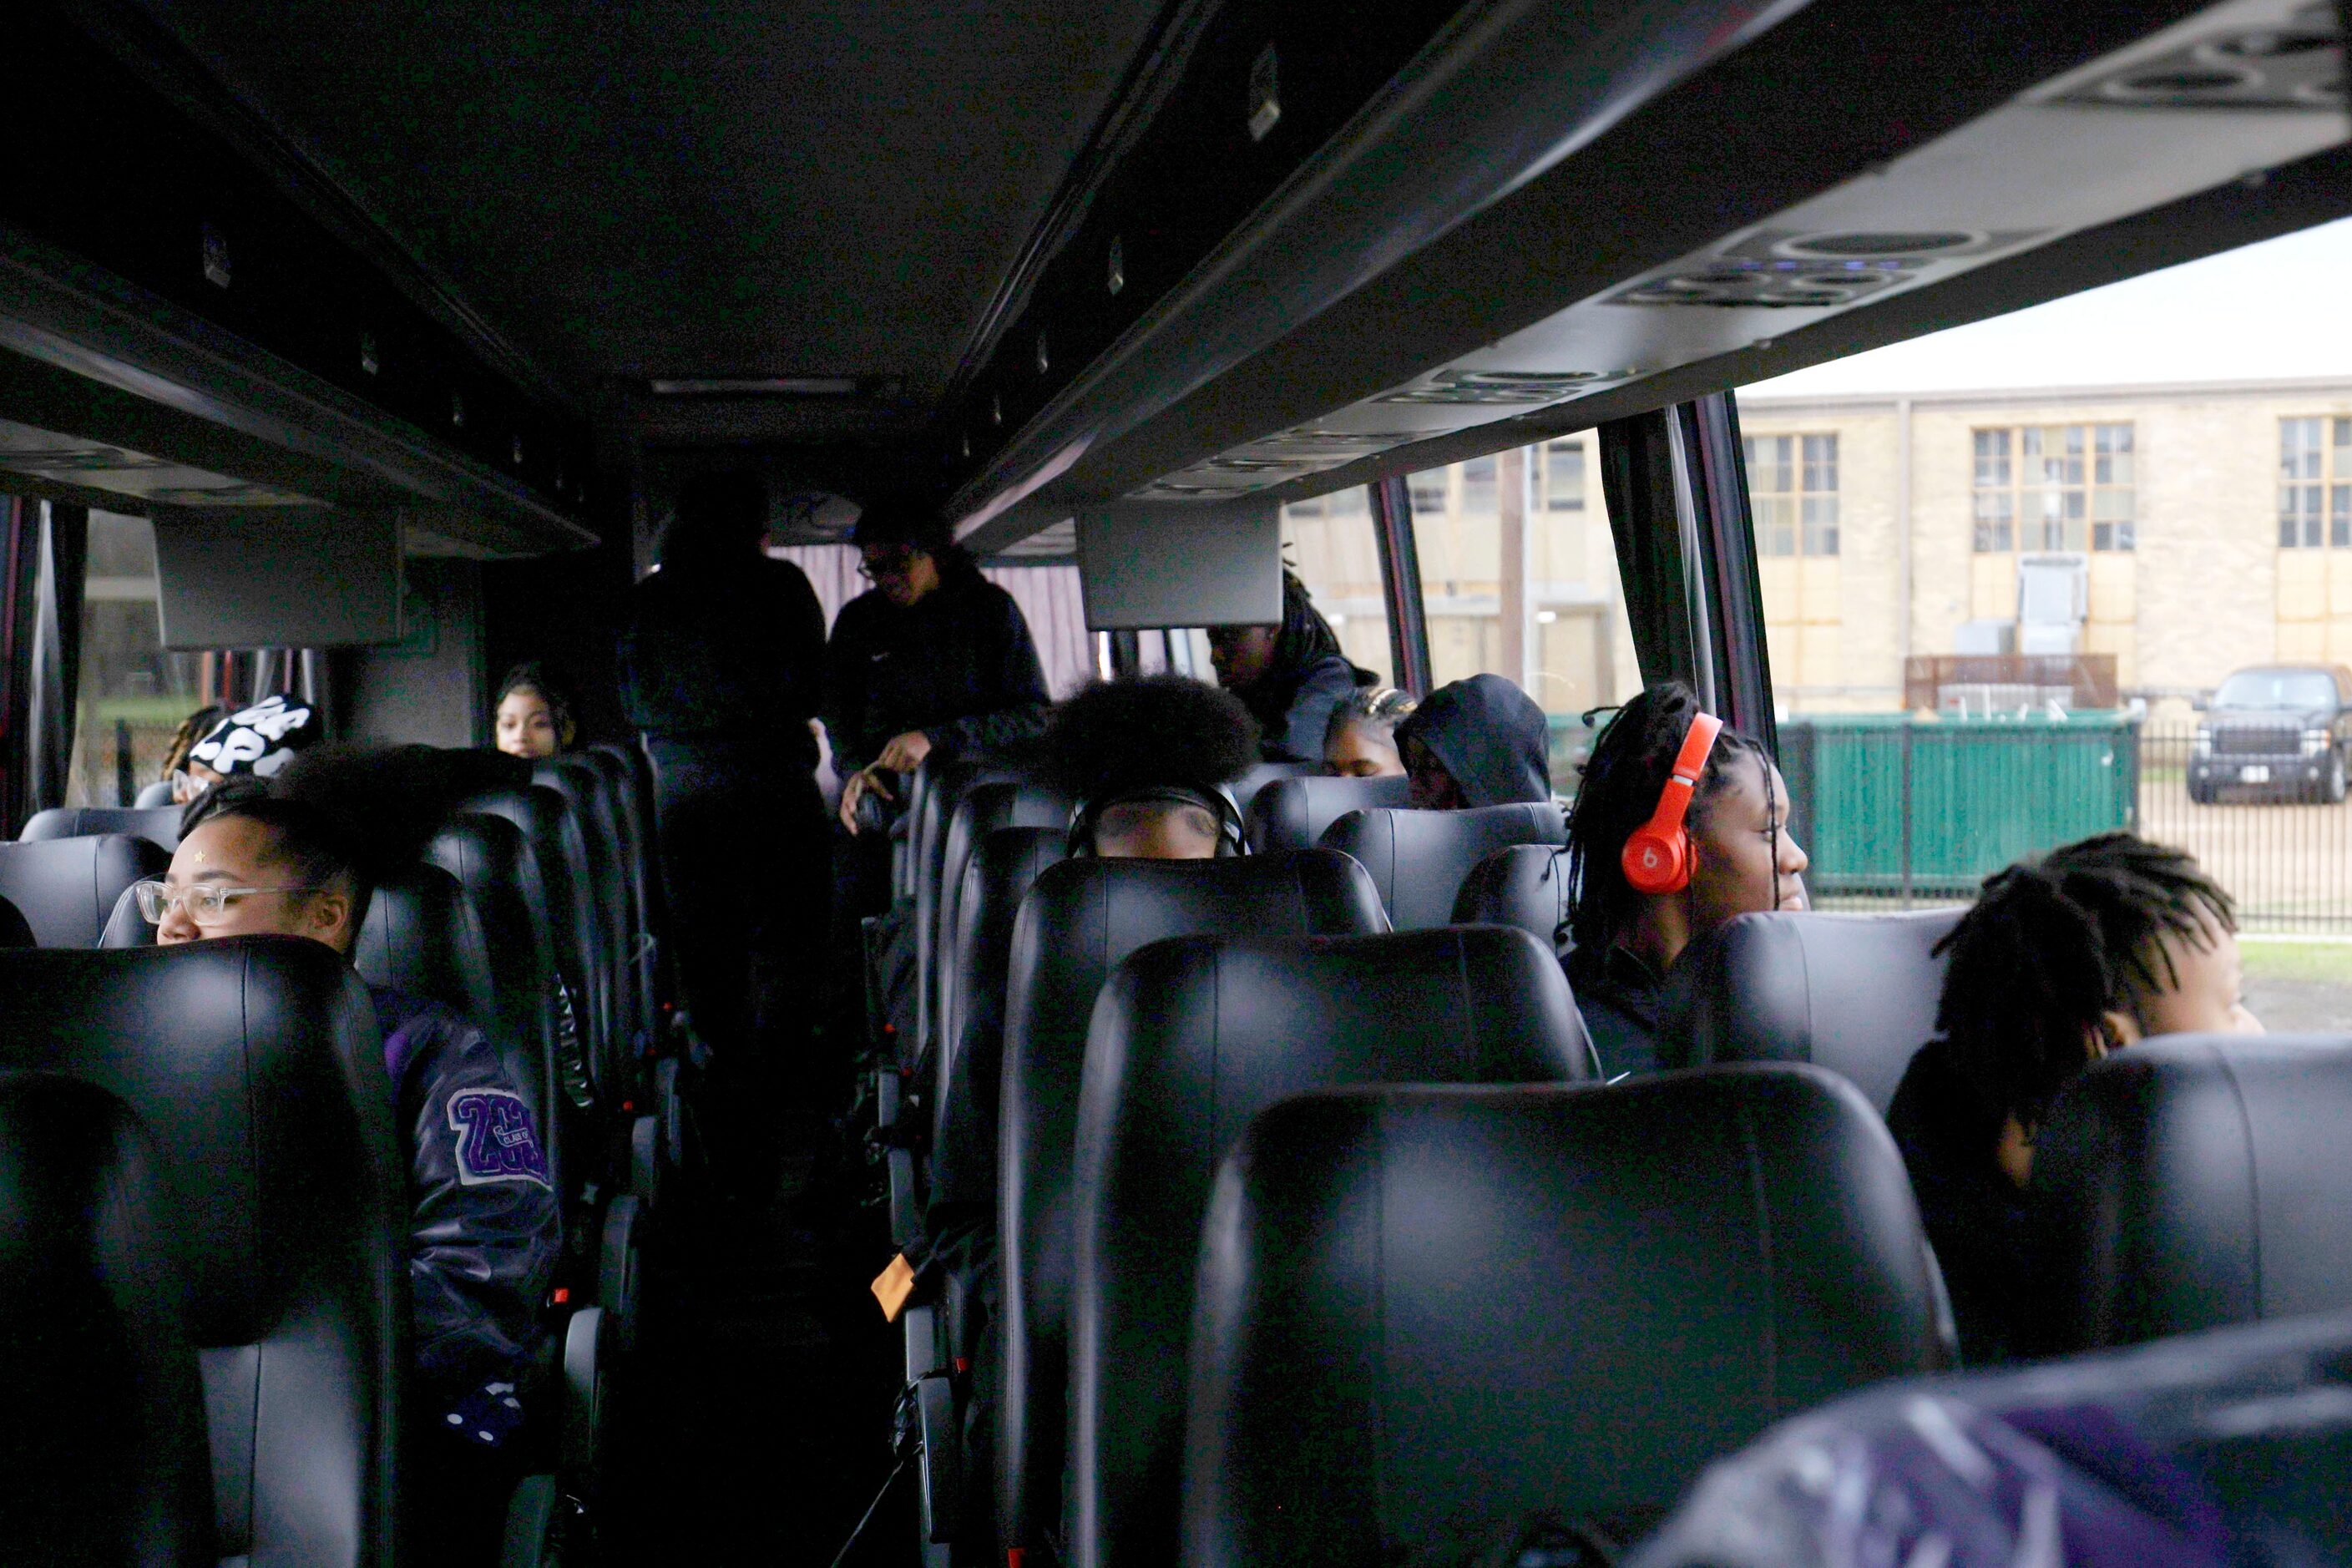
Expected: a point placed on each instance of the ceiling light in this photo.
(756, 386)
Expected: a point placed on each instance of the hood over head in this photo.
(1491, 737)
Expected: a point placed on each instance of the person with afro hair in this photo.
(1147, 761)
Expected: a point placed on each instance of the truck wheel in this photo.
(2200, 790)
(2333, 791)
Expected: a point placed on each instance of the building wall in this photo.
(2207, 590)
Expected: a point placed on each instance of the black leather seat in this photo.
(67, 888)
(628, 787)
(15, 930)
(627, 1037)
(1292, 813)
(102, 1454)
(1191, 1039)
(1418, 858)
(423, 936)
(1855, 993)
(554, 835)
(984, 809)
(255, 1063)
(499, 873)
(2199, 1180)
(1078, 922)
(971, 1061)
(1255, 779)
(942, 787)
(1524, 886)
(1425, 1311)
(161, 826)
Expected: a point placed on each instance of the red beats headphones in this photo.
(1657, 856)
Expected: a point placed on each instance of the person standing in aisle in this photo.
(721, 668)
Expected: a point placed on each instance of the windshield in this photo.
(2277, 689)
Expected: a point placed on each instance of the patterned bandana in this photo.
(260, 740)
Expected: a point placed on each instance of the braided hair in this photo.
(1618, 791)
(2049, 948)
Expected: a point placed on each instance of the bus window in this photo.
(132, 692)
(1519, 579)
(2050, 574)
(1328, 542)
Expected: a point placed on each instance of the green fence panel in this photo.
(1894, 804)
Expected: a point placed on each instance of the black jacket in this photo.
(485, 1230)
(1291, 728)
(1982, 1226)
(957, 665)
(1618, 996)
(1491, 737)
(725, 651)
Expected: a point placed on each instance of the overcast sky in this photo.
(2275, 309)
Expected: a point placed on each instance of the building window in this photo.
(1428, 492)
(2314, 478)
(1479, 491)
(2055, 487)
(1563, 473)
(1793, 483)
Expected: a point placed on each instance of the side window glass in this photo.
(1329, 542)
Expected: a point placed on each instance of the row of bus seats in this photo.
(533, 912)
(1437, 1286)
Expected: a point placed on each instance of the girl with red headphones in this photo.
(1680, 824)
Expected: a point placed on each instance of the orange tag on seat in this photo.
(893, 1286)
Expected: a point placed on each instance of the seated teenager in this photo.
(252, 743)
(484, 1227)
(1480, 742)
(1361, 742)
(1680, 824)
(531, 717)
(1291, 676)
(2092, 948)
(1147, 762)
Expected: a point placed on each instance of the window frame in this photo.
(2327, 490)
(2025, 477)
(1807, 534)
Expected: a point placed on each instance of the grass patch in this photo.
(2311, 961)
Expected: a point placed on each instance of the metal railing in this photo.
(1896, 811)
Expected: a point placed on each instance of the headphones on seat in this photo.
(1657, 856)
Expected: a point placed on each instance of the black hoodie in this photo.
(1491, 737)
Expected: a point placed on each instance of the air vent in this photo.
(1767, 285)
(1500, 387)
(2299, 65)
(1844, 246)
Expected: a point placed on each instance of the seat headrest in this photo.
(102, 1453)
(161, 827)
(422, 935)
(1418, 858)
(1192, 1038)
(255, 1065)
(1524, 886)
(1257, 775)
(158, 793)
(1292, 813)
(2198, 1181)
(1580, 1296)
(1855, 993)
(67, 888)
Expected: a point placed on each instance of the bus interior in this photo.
(352, 355)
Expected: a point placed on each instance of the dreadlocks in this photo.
(1617, 792)
(2052, 945)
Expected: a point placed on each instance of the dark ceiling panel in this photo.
(693, 189)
